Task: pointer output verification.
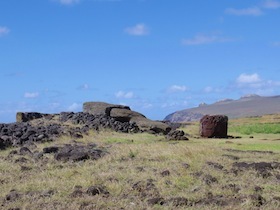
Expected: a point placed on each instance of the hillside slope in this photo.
(252, 105)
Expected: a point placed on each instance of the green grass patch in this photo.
(266, 146)
(260, 128)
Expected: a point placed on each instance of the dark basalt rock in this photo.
(155, 201)
(178, 201)
(126, 115)
(96, 116)
(97, 122)
(18, 134)
(78, 153)
(25, 151)
(13, 196)
(52, 149)
(177, 135)
(146, 188)
(263, 168)
(25, 117)
(97, 190)
(214, 126)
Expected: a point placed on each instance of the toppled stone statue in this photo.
(214, 126)
(125, 114)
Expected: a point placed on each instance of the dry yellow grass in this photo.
(175, 169)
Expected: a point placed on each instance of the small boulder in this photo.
(177, 135)
(97, 190)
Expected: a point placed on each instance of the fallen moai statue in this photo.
(125, 114)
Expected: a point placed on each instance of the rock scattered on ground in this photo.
(177, 135)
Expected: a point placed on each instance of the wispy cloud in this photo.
(177, 88)
(31, 95)
(122, 94)
(245, 83)
(4, 31)
(210, 89)
(84, 87)
(137, 30)
(257, 10)
(68, 2)
(178, 103)
(271, 4)
(252, 11)
(74, 107)
(253, 83)
(276, 44)
(14, 74)
(201, 39)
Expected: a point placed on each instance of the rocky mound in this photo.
(37, 127)
(15, 134)
(47, 129)
(125, 114)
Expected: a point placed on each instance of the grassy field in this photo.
(144, 171)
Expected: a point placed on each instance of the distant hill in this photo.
(246, 106)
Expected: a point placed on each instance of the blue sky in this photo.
(156, 56)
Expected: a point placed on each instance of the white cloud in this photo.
(122, 94)
(68, 2)
(271, 4)
(210, 89)
(4, 31)
(248, 78)
(147, 106)
(204, 39)
(31, 95)
(137, 30)
(84, 87)
(253, 83)
(177, 88)
(74, 107)
(252, 11)
(178, 104)
(276, 44)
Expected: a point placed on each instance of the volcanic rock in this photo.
(214, 126)
(125, 114)
(78, 153)
(176, 135)
(101, 108)
(28, 116)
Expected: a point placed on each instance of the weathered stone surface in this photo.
(17, 134)
(176, 135)
(124, 114)
(101, 108)
(97, 190)
(152, 126)
(78, 153)
(214, 126)
(28, 116)
(97, 122)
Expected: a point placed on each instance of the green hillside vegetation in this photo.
(145, 171)
(268, 124)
